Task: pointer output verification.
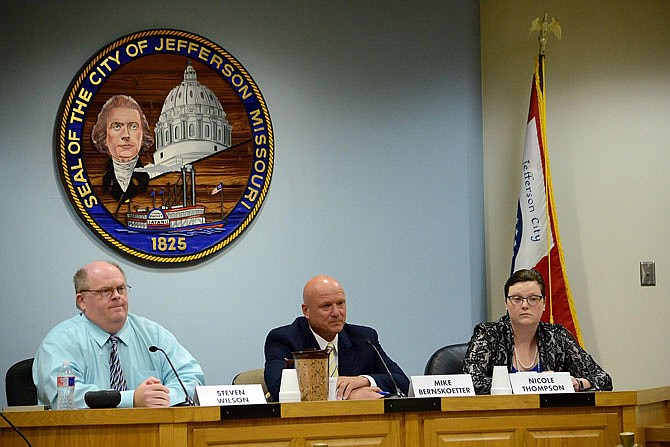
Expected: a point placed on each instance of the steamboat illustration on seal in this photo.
(179, 154)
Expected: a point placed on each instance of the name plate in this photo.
(541, 383)
(217, 395)
(441, 386)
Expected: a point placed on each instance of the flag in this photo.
(537, 243)
(217, 189)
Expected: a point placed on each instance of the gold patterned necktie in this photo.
(117, 381)
(332, 362)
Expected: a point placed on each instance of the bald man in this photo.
(85, 340)
(361, 374)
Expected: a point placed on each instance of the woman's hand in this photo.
(580, 384)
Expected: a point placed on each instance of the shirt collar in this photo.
(100, 336)
(124, 171)
(322, 341)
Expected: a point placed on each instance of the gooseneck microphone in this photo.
(398, 391)
(188, 402)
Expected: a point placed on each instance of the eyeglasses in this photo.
(107, 292)
(531, 300)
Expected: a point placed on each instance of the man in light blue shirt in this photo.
(84, 341)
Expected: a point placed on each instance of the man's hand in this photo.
(151, 393)
(347, 384)
(366, 392)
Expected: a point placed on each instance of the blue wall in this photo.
(376, 108)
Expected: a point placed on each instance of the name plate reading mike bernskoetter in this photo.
(441, 386)
(217, 395)
(541, 383)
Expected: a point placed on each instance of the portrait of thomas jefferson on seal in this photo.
(122, 132)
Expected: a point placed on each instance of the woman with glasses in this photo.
(520, 341)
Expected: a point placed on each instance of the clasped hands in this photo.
(356, 388)
(151, 393)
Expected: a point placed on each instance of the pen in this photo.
(384, 393)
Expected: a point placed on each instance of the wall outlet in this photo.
(647, 273)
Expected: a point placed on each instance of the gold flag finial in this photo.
(544, 26)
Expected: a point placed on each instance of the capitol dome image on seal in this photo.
(192, 124)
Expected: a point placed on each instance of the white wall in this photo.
(608, 104)
(376, 108)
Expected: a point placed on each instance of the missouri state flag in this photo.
(537, 243)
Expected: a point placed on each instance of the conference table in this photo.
(547, 420)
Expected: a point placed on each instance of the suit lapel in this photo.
(308, 339)
(346, 355)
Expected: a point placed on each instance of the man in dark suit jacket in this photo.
(361, 374)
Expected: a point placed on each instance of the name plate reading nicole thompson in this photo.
(441, 386)
(541, 383)
(218, 395)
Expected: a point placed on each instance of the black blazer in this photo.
(492, 344)
(355, 356)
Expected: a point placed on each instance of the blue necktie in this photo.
(116, 379)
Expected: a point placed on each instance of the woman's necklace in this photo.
(517, 359)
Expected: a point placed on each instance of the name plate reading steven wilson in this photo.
(541, 383)
(441, 386)
(217, 395)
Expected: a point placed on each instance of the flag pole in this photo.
(536, 211)
(222, 209)
(543, 27)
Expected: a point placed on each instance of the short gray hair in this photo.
(80, 278)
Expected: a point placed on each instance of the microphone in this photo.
(188, 402)
(398, 392)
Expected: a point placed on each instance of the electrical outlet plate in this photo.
(647, 273)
